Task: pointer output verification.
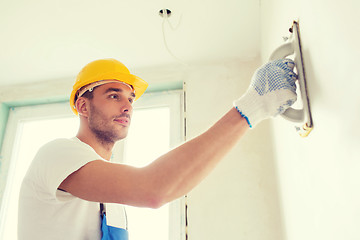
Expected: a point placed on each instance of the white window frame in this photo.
(173, 99)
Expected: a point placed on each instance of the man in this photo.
(68, 178)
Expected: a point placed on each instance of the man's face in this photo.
(111, 111)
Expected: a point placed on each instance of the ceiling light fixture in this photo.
(165, 14)
(166, 11)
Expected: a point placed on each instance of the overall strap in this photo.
(102, 209)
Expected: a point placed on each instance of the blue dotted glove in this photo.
(271, 92)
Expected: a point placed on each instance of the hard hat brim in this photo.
(137, 83)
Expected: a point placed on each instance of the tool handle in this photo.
(287, 49)
(282, 51)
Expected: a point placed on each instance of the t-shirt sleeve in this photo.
(55, 161)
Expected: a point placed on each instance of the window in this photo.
(156, 119)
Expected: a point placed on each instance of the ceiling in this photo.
(53, 39)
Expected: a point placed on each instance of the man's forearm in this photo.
(180, 170)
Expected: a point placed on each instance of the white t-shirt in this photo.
(48, 213)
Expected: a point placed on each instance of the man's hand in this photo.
(271, 92)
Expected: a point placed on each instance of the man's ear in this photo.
(82, 106)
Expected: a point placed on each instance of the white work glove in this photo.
(271, 92)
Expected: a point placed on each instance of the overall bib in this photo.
(110, 232)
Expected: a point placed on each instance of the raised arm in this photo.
(177, 172)
(165, 179)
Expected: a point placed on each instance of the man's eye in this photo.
(114, 96)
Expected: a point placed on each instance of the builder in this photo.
(69, 178)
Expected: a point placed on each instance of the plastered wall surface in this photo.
(239, 200)
(319, 176)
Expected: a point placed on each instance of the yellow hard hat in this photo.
(106, 69)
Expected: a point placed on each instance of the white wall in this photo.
(319, 176)
(239, 200)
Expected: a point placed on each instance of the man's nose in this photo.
(127, 107)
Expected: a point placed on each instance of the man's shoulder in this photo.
(60, 143)
(66, 148)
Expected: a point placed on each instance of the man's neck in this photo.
(100, 147)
